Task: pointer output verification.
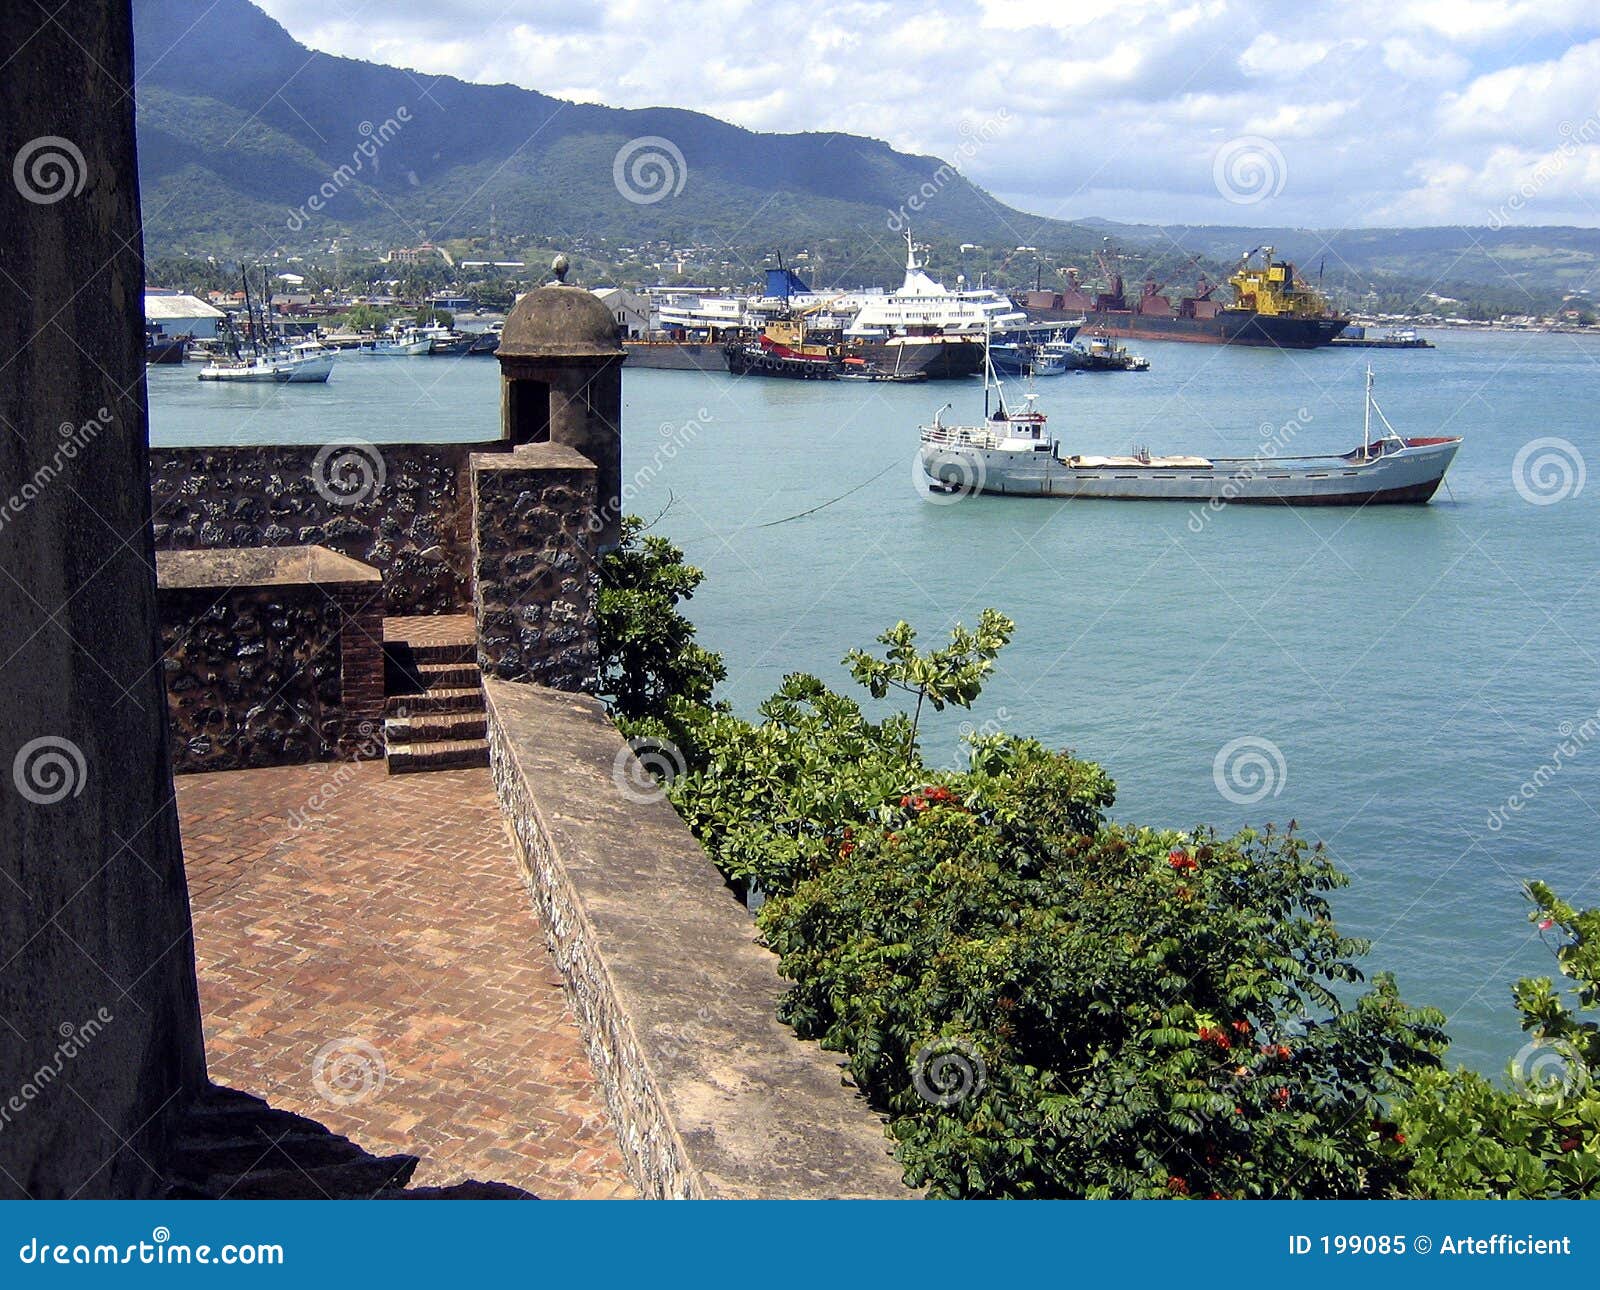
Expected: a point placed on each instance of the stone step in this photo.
(429, 726)
(461, 699)
(439, 754)
(449, 676)
(449, 652)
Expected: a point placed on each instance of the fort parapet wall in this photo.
(712, 1095)
(401, 508)
(272, 657)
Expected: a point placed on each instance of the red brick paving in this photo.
(396, 918)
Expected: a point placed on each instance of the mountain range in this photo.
(239, 122)
(250, 142)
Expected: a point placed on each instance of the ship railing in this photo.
(960, 437)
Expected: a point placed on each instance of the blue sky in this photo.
(1342, 113)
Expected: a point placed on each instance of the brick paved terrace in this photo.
(380, 969)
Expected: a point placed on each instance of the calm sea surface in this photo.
(1396, 674)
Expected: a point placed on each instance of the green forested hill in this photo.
(239, 125)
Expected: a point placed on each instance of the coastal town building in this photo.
(175, 314)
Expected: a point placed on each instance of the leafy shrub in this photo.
(650, 662)
(1133, 1013)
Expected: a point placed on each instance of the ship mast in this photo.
(1366, 421)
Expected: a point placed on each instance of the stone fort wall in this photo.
(401, 508)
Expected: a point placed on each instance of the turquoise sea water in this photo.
(1395, 674)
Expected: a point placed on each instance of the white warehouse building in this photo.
(178, 315)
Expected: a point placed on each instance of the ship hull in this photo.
(1229, 327)
(758, 360)
(674, 356)
(1411, 475)
(937, 358)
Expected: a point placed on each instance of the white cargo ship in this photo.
(1012, 454)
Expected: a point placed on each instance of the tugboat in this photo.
(1011, 454)
(785, 348)
(1272, 306)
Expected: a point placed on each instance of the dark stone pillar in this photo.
(535, 574)
(99, 1016)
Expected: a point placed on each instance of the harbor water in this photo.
(1418, 687)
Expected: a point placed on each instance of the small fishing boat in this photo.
(1099, 354)
(305, 363)
(848, 373)
(1024, 358)
(1012, 454)
(405, 341)
(486, 343)
(266, 358)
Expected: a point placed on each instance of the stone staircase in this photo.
(433, 705)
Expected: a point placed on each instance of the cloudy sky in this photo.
(1318, 112)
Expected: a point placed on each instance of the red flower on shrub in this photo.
(1242, 1027)
(1182, 862)
(1177, 1185)
(1570, 1144)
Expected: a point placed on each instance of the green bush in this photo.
(1045, 1009)
(650, 663)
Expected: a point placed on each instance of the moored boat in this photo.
(1013, 455)
(1099, 354)
(1272, 306)
(305, 363)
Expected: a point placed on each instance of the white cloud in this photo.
(1415, 110)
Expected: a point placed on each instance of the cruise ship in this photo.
(921, 327)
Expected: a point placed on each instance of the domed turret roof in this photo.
(556, 321)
